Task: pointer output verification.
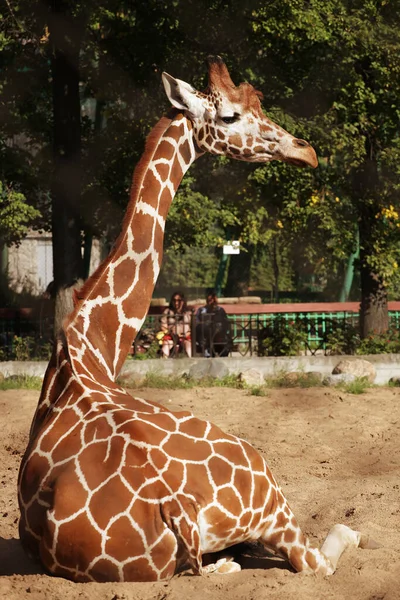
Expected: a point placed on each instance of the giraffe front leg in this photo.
(306, 559)
(285, 537)
(341, 537)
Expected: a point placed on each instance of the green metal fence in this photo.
(35, 334)
(247, 328)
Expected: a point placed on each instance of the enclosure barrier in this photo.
(258, 334)
(27, 334)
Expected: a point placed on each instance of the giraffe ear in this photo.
(183, 96)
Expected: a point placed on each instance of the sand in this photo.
(336, 456)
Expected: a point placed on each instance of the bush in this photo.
(26, 348)
(282, 338)
(343, 339)
(383, 343)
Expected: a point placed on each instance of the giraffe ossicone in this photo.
(116, 488)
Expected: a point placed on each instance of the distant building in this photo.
(30, 265)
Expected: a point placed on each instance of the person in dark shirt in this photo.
(213, 332)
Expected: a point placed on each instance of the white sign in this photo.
(232, 247)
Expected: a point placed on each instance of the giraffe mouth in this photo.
(297, 162)
(305, 158)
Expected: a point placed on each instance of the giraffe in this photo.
(117, 488)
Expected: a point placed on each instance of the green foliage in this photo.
(283, 338)
(293, 379)
(343, 339)
(193, 267)
(195, 220)
(16, 382)
(163, 382)
(15, 215)
(388, 342)
(330, 74)
(259, 390)
(151, 352)
(156, 380)
(343, 75)
(358, 386)
(27, 348)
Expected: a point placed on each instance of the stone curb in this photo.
(386, 365)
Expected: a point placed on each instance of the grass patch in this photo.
(184, 382)
(231, 381)
(163, 382)
(259, 390)
(395, 382)
(26, 382)
(358, 386)
(294, 379)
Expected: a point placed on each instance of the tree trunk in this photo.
(275, 270)
(374, 316)
(66, 34)
(238, 280)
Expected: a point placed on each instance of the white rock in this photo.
(357, 367)
(251, 377)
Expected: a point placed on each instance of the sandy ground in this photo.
(336, 456)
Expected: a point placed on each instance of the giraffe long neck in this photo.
(114, 301)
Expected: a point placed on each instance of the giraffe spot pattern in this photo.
(78, 543)
(111, 498)
(119, 488)
(235, 140)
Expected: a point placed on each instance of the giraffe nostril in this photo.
(300, 143)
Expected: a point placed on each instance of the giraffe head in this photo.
(229, 120)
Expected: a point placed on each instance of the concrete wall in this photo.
(386, 365)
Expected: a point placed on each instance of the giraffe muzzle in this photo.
(301, 154)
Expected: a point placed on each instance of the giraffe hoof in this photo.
(228, 567)
(223, 566)
(367, 543)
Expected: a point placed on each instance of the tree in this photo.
(327, 74)
(336, 61)
(15, 216)
(66, 28)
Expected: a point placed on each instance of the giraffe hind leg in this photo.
(186, 529)
(223, 566)
(187, 532)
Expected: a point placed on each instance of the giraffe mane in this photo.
(138, 175)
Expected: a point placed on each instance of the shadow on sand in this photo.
(250, 555)
(14, 561)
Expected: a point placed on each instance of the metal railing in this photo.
(28, 336)
(25, 335)
(255, 334)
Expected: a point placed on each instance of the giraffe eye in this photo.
(229, 120)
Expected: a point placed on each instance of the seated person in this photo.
(213, 329)
(176, 326)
